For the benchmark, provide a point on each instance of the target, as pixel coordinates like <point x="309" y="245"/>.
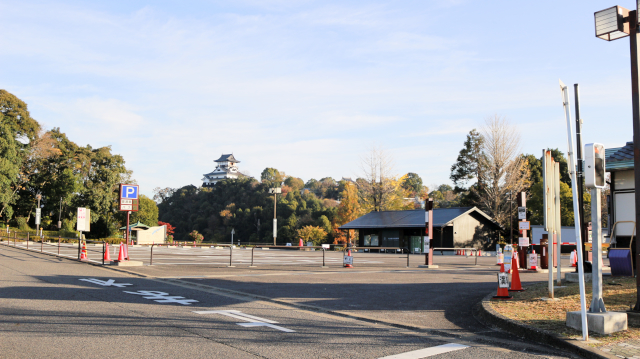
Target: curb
<point x="488" y="315"/>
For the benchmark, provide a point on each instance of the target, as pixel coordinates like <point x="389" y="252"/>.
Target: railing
<point x="458" y="249"/>
<point x="42" y="242"/>
<point x="385" y="248"/>
<point x="290" y="248"/>
<point x="194" y="255"/>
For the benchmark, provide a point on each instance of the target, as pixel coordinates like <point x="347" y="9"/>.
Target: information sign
<point x="347" y="260"/>
<point x="427" y="243"/>
<point x="524" y="225"/>
<point x="503" y="280"/>
<point x="84" y="220"/>
<point x="533" y="260"/>
<point x="522" y="212"/>
<point x="523" y="242"/>
<point x="129" y="200"/>
<point x="275" y="228"/>
<point x="38" y="214"/>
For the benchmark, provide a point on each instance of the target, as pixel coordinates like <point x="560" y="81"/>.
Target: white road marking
<point x="427" y="352"/>
<point x="109" y="283"/>
<point x="254" y="321"/>
<point x="162" y="297"/>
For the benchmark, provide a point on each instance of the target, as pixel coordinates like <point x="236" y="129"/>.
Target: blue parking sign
<point x="129" y="191"/>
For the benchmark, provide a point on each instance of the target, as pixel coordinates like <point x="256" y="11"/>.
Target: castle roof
<point x="227" y="158"/>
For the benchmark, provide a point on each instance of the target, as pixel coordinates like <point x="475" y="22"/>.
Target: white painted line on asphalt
<point x="427" y="352"/>
<point x="254" y="321"/>
<point x="109" y="283"/>
<point x="162" y="297"/>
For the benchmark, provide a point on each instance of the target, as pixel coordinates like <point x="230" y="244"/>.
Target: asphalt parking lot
<point x="300" y="310"/>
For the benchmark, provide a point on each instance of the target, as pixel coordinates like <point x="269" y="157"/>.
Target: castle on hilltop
<point x="226" y="167"/>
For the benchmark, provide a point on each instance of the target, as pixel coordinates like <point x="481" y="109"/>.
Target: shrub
<point x="195" y="236"/>
<point x="22" y="224"/>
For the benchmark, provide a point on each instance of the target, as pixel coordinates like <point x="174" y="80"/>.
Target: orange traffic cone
<point x="83" y="253"/>
<point x="516" y="286"/>
<point x="503" y="292"/>
<point x="121" y="253"/>
<point x="107" y="257"/>
<point x="301" y="244"/>
<point x="194" y="244"/>
<point x="347" y="265"/>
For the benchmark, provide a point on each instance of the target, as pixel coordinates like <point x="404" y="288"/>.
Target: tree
<point x="16" y="116"/>
<point x="147" y="212"/>
<point x="503" y="169"/>
<point x="295" y="183"/>
<point x="9" y="167"/>
<point x="272" y="177"/>
<point x="160" y="194"/>
<point x="466" y="168"/>
<point x="379" y="188"/>
<point x="348" y="210"/>
<point x="314" y="234"/>
<point x="195" y="236"/>
<point x="412" y="183"/>
<point x="444" y="197"/>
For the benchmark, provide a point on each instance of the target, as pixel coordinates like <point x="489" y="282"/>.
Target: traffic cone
<point x="479" y="253"/>
<point x="503" y="293"/>
<point x="574" y="258"/>
<point x="107" y="257"/>
<point x="83" y="253"/>
<point x="516" y="286"/>
<point x="121" y="253"/>
<point x="194" y="244"/>
<point x="348" y="255"/>
<point x="301" y="244"/>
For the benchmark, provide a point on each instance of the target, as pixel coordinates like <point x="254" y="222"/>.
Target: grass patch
<point x="619" y="294"/>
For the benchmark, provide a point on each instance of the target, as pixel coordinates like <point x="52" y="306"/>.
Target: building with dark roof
<point x="622" y="202"/>
<point x="452" y="227"/>
<point x="226" y="168"/>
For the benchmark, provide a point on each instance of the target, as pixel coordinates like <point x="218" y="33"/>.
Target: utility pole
<point x="59" y="215"/>
<point x="275" y="191"/>
<point x="580" y="174"/>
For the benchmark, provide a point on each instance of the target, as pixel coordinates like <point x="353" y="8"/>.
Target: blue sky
<point x="308" y="86"/>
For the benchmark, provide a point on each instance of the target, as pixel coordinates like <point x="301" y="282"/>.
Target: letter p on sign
<point x="129" y="191"/>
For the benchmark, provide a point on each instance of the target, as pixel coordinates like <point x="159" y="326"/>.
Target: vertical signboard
<point x="38" y="214"/>
<point x="129" y="200"/>
<point x="84" y="220"/>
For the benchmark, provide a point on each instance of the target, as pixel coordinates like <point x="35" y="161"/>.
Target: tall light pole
<point x="612" y="24"/>
<point x="275" y="192"/>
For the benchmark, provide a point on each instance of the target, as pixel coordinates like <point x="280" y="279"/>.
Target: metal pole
<point x="597" y="304"/>
<point x="274" y="216"/>
<point x="510" y="219"/>
<point x="37" y="224"/>
<point x="104" y="247"/>
<point x="59" y="245"/>
<point x="323" y="265"/>
<point x="408" y="252"/>
<point x="151" y="259"/>
<point x="252" y="249"/>
<point x="79" y="240"/>
<point x="558" y="223"/>
<point x="576" y="210"/>
<point x="635" y="98"/>
<point x="127" y="229"/>
<point x="580" y="170"/>
<point x="27" y="240"/>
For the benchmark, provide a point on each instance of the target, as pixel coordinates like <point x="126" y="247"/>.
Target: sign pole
<point x="128" y="236"/>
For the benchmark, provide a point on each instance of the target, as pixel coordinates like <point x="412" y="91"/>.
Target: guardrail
<point x="458" y="249"/>
<point x="289" y="248"/>
<point x="58" y="244"/>
<point x="194" y="255"/>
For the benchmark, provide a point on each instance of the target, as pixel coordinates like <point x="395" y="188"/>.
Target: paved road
<point x="54" y="307"/>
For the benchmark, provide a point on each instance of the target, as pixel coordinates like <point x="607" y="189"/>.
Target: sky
<point x="308" y="87"/>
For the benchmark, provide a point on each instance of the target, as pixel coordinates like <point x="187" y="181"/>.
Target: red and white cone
<point x="107" y="257"/>
<point x="574" y="258"/>
<point x="121" y="253"/>
<point x="503" y="291"/>
<point x="534" y="267"/>
<point x="83" y="253"/>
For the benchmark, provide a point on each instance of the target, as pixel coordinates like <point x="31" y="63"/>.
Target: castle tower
<point x="226" y="167"/>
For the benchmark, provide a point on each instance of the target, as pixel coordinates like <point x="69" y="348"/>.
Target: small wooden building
<point x="622" y="201"/>
<point x="453" y="228"/>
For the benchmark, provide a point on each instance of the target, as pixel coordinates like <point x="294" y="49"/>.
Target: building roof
<point x="227" y="158"/>
<point x="619" y="158"/>
<point x="412" y="218"/>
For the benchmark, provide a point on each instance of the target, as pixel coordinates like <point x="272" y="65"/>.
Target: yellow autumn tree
<point x="348" y="210"/>
<point x="314" y="234"/>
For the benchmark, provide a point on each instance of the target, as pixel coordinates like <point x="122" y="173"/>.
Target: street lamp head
<point x="611" y="24"/>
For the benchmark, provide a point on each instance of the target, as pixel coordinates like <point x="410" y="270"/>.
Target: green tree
<point x="466" y="168"/>
<point x="295" y="183"/>
<point x="147" y="213"/>
<point x="9" y="168"/>
<point x="16" y="116"/>
<point x="272" y="177"/>
<point x="412" y="183"/>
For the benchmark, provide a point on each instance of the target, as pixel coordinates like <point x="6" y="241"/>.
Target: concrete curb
<point x="490" y="317"/>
